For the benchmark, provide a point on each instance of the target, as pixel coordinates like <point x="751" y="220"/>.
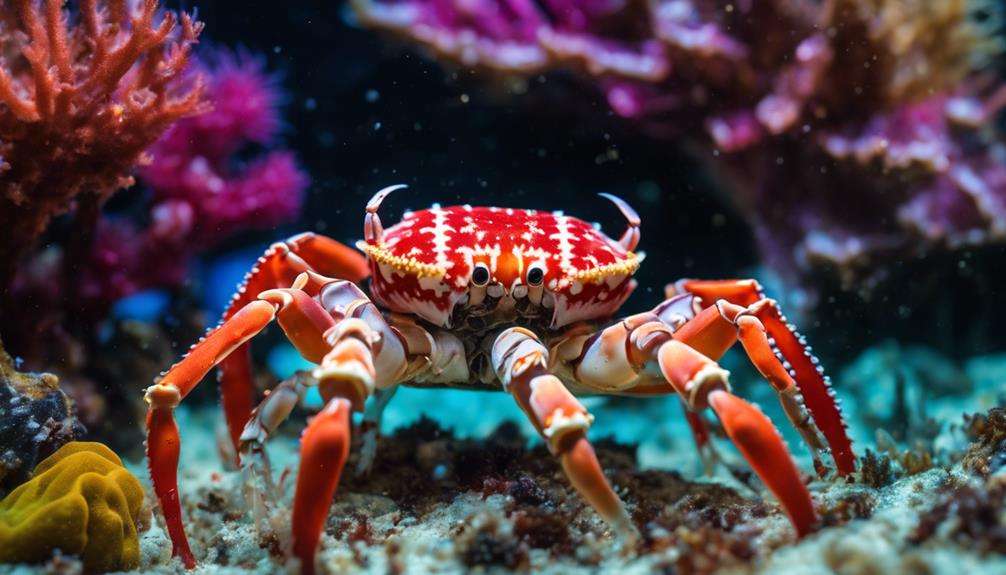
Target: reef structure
<point x="84" y="95"/>
<point x="197" y="134"/>
<point x="36" y="419"/>
<point x="850" y="133"/>
<point x="82" y="501"/>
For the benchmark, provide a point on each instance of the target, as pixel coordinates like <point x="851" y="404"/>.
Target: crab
<point x="491" y="298"/>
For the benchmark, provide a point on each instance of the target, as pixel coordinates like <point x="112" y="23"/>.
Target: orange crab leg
<point x="614" y="360"/>
<point x="702" y="382"/>
<point x="323" y="452"/>
<point x="345" y="379"/>
<point x="278" y="267"/>
<point x="520" y="362"/>
<point x="163" y="448"/>
<point x="779" y="353"/>
<point x="762" y="446"/>
<point x="163" y="442"/>
<point x="303" y="320"/>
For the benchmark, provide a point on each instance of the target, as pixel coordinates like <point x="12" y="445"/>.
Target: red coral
<point x="83" y="96"/>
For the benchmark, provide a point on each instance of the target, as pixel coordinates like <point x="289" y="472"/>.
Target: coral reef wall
<point x="852" y="133"/>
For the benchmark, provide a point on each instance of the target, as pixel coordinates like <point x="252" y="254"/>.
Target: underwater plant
<point x="84" y="93"/>
<point x="481" y="298"/>
<point x="81" y="501"/>
<point x="851" y="133"/>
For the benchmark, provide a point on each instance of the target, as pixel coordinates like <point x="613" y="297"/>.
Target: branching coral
<point x="83" y="96"/>
<point x="852" y="131"/>
<point x="197" y="190"/>
<point x="82" y="501"/>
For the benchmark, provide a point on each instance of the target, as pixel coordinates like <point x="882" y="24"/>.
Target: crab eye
<point x="535" y="275"/>
<point x="480" y="275"/>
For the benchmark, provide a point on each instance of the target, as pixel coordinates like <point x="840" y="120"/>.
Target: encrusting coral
<point x="36" y="418"/>
<point x="82" y="501"/>
<point x="84" y="95"/>
<point x="851" y="132"/>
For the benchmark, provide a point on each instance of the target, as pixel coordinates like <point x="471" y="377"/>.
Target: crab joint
<point x="516" y="351"/>
<point x="348" y="369"/>
<point x="162" y="396"/>
<point x="559" y="426"/>
<point x="693" y="375"/>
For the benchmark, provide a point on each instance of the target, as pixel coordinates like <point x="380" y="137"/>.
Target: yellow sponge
<point x="81" y="501"/>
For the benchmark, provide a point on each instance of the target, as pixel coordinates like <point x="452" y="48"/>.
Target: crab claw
<point x="630" y="238"/>
<point x="373" y="231"/>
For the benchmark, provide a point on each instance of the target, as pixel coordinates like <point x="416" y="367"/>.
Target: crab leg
<point x="302" y="319"/>
<point x="777" y="351"/>
<point x="520" y="360"/>
<point x="268" y="416"/>
<point x="346" y="378"/>
<point x="324" y="447"/>
<point x="277" y="267"/>
<point x="614" y="359"/>
<point x="762" y="446"/>
<point x="370" y="428"/>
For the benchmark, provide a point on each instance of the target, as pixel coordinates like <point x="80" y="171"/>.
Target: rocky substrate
<point x="435" y="503"/>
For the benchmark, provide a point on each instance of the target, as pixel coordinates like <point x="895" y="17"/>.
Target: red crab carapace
<point x="518" y="300"/>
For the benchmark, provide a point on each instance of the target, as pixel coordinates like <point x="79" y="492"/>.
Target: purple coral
<point x="853" y="132"/>
<point x="196" y="181"/>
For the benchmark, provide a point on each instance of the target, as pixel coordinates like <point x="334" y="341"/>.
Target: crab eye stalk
<point x="480" y="275"/>
<point x="535" y="276"/>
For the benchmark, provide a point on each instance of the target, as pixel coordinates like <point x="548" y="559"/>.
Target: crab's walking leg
<point x="324" y="447"/>
<point x="163" y="442"/>
<point x="259" y="489"/>
<point x="777" y="351"/>
<point x="520" y="361"/>
<point x="302" y="319"/>
<point x="370" y="428"/>
<point x="345" y="378"/>
<point x="277" y="268"/>
<point x="614" y="359"/>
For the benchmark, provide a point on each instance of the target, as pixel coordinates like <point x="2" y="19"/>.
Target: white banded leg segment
<point x="692" y="374"/>
<point x="348" y="370"/>
<point x="516" y="351"/>
<point x="520" y="361"/>
<point x="559" y="412"/>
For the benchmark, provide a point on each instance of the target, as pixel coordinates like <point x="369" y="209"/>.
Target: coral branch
<point x="82" y="102"/>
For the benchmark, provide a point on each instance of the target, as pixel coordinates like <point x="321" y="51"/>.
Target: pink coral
<point x="200" y="194"/>
<point x="193" y="173"/>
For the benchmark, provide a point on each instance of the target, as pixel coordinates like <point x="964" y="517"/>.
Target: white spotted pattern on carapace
<point x="424" y="263"/>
